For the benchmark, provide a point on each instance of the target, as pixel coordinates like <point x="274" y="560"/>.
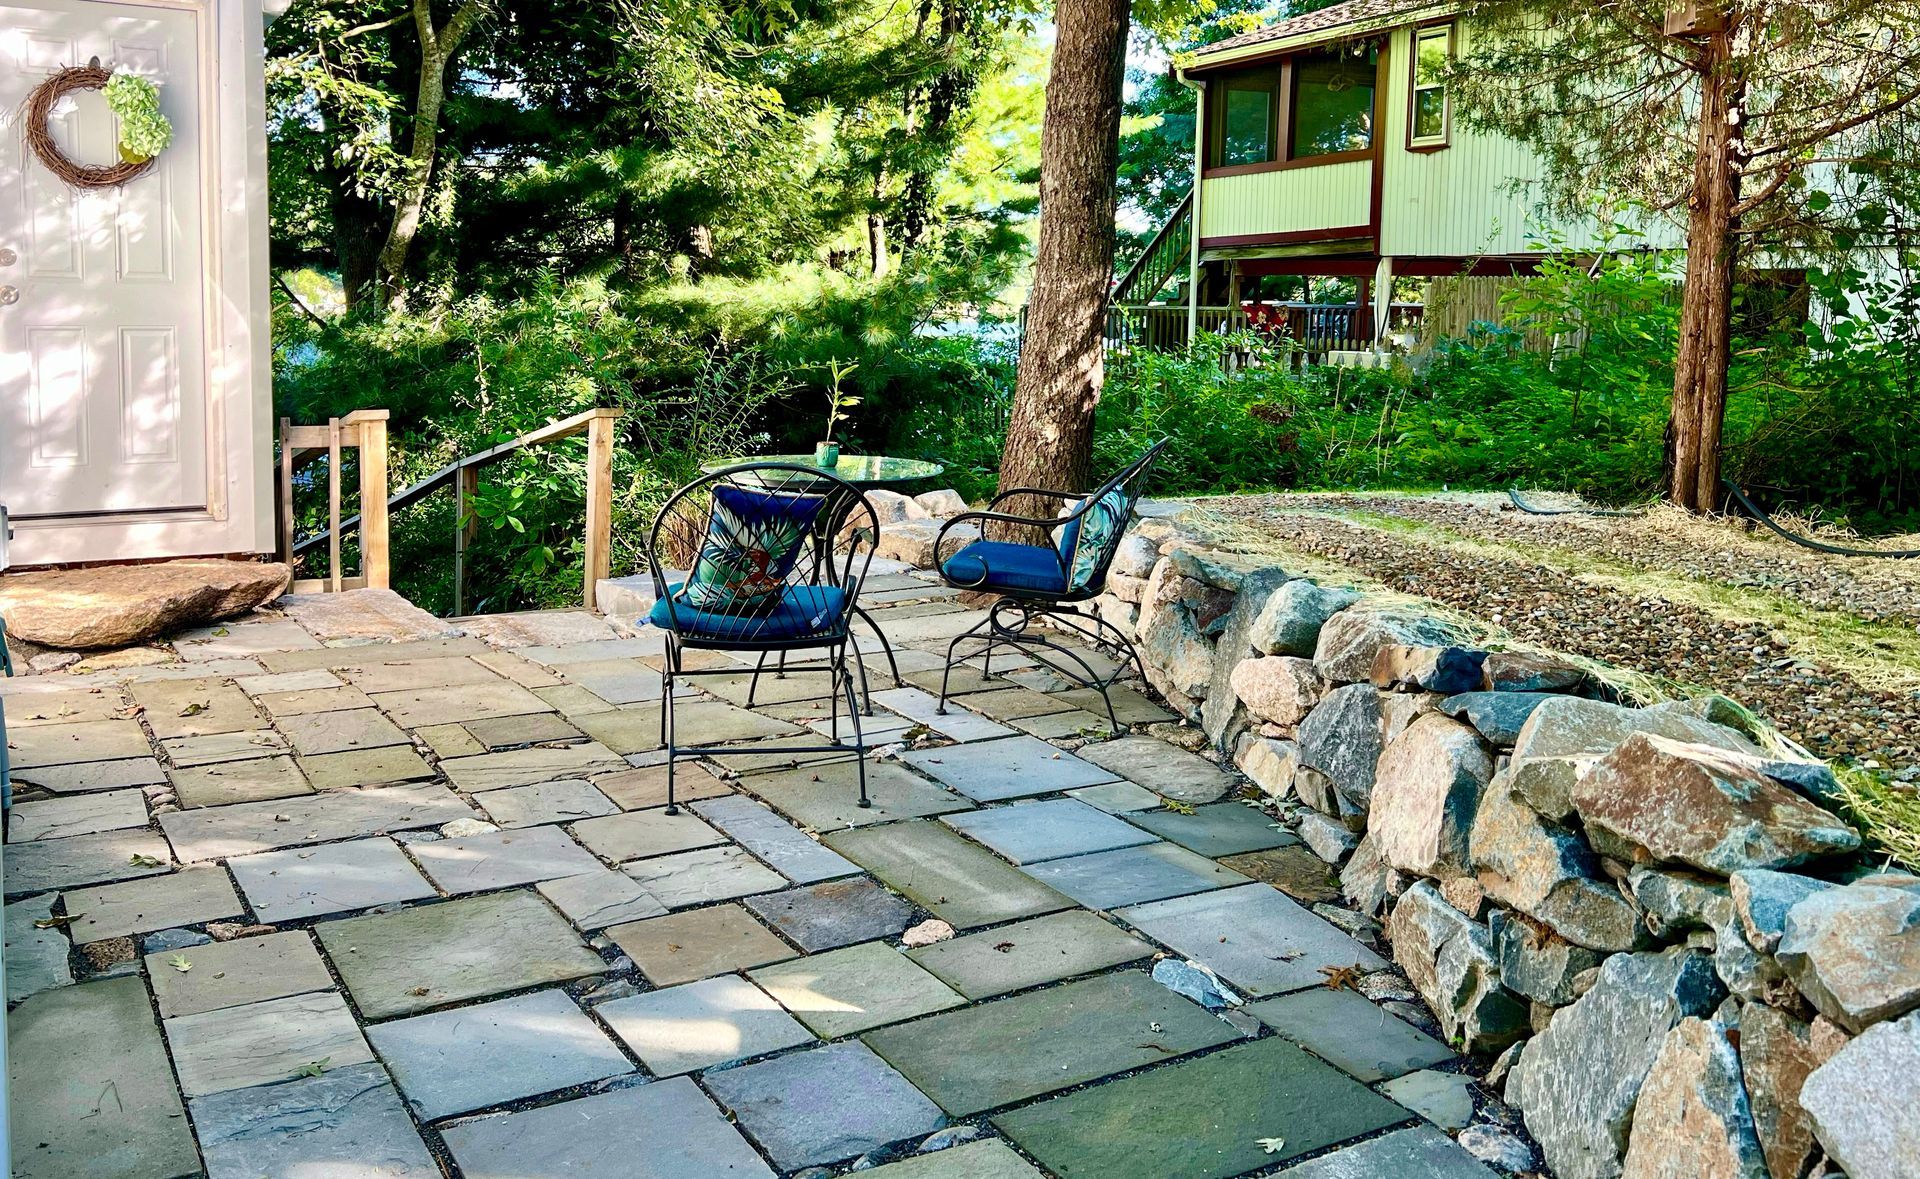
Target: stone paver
<point x="833" y="913"/>
<point x="960" y="882"/>
<point x="846" y="991"/>
<point x="414" y="675"/>
<point x="597" y="899"/>
<point x="682" y="947"/>
<point x="1132" y="707"/>
<point x="958" y="723"/>
<point x="36" y="959"/>
<point x="188" y="897"/>
<point x="338" y="732"/>
<point x="1117" y="798"/>
<point x="438" y="706"/>
<point x="84" y="859"/>
<point x="1065" y="726"/>
<point x="64" y="708"/>
<point x="618" y="681"/>
<point x="194" y="707"/>
<point x="686" y="1137"/>
<point x="564" y="654"/>
<point x="448" y="741"/>
<point x="703" y="876"/>
<point x="346" y="1121"/>
<point x="334" y="878"/>
<point x="646" y="787"/>
<point x="90" y="1087"/>
<point x="1028" y="833"/>
<point x="701" y="1024"/>
<point x="1417" y="1150"/>
<point x="508" y="731"/>
<point x="987" y="1159"/>
<point x="565" y="801"/>
<point x="826" y="797"/>
<point x="239" y="640"/>
<point x="1143" y="1127"/>
<point x="56" y="745"/>
<point x="824" y="1104"/>
<point x="1029" y="953"/>
<point x="1350" y="1033"/>
<point x="530" y="1044"/>
<point x="636" y="835"/>
<point x="1008" y="704"/>
<point x="994" y="1054"/>
<point x="1222" y="829"/>
<point x="773" y="840"/>
<point x="365" y="767"/>
<point x="524" y="767"/>
<point x="417" y="959"/>
<point x="695" y="722"/>
<point x="573" y="701"/>
<point x="1132" y="875"/>
<point x="1445" y="1099"/>
<point x="291" y="681"/>
<point x="1254" y="937"/>
<point x="1014" y="767"/>
<point x="339" y="698"/>
<point x="1292" y="869"/>
<point x="340" y="814"/>
<point x="500" y="859"/>
<point x="236" y="973"/>
<point x="263" y="1043"/>
<point x="245" y="745"/>
<point x="94" y="775"/>
<point x="239" y="781"/>
<point x="1161" y="768"/>
<point x="82" y="814"/>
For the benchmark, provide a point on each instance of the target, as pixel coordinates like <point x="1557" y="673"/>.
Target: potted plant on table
<point x="826" y="453"/>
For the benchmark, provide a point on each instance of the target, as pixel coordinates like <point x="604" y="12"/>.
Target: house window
<point x="1243" y="133"/>
<point x="1333" y="102"/>
<point x="1432" y="53"/>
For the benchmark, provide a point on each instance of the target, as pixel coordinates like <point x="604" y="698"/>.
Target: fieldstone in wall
<point x="1577" y="1082"/>
<point x="1676" y="900"/>
<point x="1535" y="961"/>
<point x="1341" y="739"/>
<point x="1854" y="952"/>
<point x="1135" y="556"/>
<point x="1777" y="1054"/>
<point x="1318" y="791"/>
<point x="1671" y="802"/>
<point x="913" y="541"/>
<point x="1351" y="638"/>
<point x="1222" y="716"/>
<point x="1400" y="709"/>
<point x="1215" y="567"/>
<point x="1762" y="899"/>
<point x="1545" y="871"/>
<point x="1268" y="762"/>
<point x="1693" y="1117"/>
<point x="1327" y="838"/>
<point x="943" y="503"/>
<point x="890" y="507"/>
<point x="1516" y="671"/>
<point x="1748" y="973"/>
<point x="1863" y="1102"/>
<point x="1280" y="689"/>
<point x="1447" y="670"/>
<point x="1365" y="881"/>
<point x="1128" y="589"/>
<point x="1498" y="716"/>
<point x="1290" y="621"/>
<point x="1568" y="734"/>
<point x="1449" y="959"/>
<point x="1428" y="788"/>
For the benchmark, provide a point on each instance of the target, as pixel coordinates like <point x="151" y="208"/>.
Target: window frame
<point x="1217" y="89"/>
<point x="1281" y="73"/>
<point x="1444" y="140"/>
<point x="1293" y="87"/>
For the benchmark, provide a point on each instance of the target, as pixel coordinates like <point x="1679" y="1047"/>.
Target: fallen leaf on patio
<point x="1178" y="807"/>
<point x="56" y="922"/>
<point x="221" y="632"/>
<point x="179" y="962"/>
<point x="416" y="992"/>
<point x="144" y="861"/>
<point x="194" y="709"/>
<point x="1272" y="1145"/>
<point x="1004" y="947"/>
<point x="313" y="1068"/>
<point x="1342" y="977"/>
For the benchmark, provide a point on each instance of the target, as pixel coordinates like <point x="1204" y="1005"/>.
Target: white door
<point x="103" y="383"/>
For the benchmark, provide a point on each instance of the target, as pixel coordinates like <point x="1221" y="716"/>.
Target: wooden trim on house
<point x="1338" y="157"/>
<point x="1376" y="197"/>
<point x="1440" y="267"/>
<point x="1287" y="238"/>
<point x="1311" y="267"/>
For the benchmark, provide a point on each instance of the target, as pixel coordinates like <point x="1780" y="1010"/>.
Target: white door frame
<point x="238" y="515"/>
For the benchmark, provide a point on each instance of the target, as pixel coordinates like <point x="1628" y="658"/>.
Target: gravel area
<point x="1820" y="707"/>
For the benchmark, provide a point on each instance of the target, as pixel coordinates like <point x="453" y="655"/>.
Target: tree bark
<point x="438" y="47"/>
<point x="1050" y="436"/>
<point x="1706" y="303"/>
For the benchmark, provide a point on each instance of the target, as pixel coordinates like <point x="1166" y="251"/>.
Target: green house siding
<point x="1294" y="200"/>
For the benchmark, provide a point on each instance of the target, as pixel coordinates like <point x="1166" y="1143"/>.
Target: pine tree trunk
<point x="1050" y="436"/>
<point x="1706" y="304"/>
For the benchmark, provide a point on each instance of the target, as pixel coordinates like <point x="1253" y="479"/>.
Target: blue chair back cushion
<point x="753" y="540"/>
<point x="996" y="564"/>
<point x="794" y="612"/>
<point x="1084" y="540"/>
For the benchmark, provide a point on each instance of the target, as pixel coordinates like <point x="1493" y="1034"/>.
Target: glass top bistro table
<point x="863" y="471"/>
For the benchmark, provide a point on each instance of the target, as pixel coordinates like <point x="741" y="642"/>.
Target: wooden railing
<point x="1315" y="328"/>
<point x="1166" y="255"/>
<point x="463" y="475"/>
<point x="364" y="430"/>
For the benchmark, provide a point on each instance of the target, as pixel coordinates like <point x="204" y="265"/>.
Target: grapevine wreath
<point x="135" y="101"/>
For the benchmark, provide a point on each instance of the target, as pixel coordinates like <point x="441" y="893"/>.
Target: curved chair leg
<point x="666" y="723"/>
<point x="947" y="672"/>
<point x="859" y="738"/>
<point x="886" y="647"/>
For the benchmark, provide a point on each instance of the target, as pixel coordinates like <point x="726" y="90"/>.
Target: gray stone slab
<point x="1117" y="798"/>
<point x="290" y="681"/>
<point x="645" y="787"/>
<point x="1222" y="829"/>
<point x="846" y="991"/>
<point x="956" y="722"/>
<point x="188" y="897"/>
<point x="573" y="701"/>
<point x="636" y="835"/>
<point x="449" y="741"/>
<point x="702" y="1024"/>
<point x="1445" y="1099"/>
<point x="90" y="1089"/>
<point x="262" y="1043"/>
<point x="703" y="876"/>
<point x="508" y="731"/>
<point x="695" y="722"/>
<point x="339" y="698"/>
<point x="526" y="1045"/>
<point x="426" y="957"/>
<point x="1027" y="833"/>
<point x="1266" y="1102"/>
<point x="346" y="1121"/>
<point x="565" y="654"/>
<point x="338" y="732"/>
<point x="360" y="655"/>
<point x="63" y="707"/>
<point x="1015" y="767"/>
<point x="826" y="798"/>
<point x="226" y="783"/>
<point x="1008" y="704"/>
<point x="81" y="814"/>
<point x="338" y="814"/>
<point x="501" y="859"/>
<point x="778" y="843"/>
<point x="191" y="707"/>
<point x="417" y="675"/>
<point x="48" y="864"/>
<point x="93" y="775"/>
<point x="834" y="913"/>
<point x="824" y="1104"/>
<point x="595" y="900"/>
<point x="82" y="741"/>
<point x="1253" y="936"/>
<point x="335" y="878"/>
<point x="214" y="748"/>
<point x="521" y="671"/>
<point x="994" y="1054"/>
<point x="686" y="1137"/>
<point x="235" y="640"/>
<point x="1416" y="1150"/>
<point x="1133" y="707"/>
<point x="618" y="681"/>
<point x="986" y="1159"/>
<point x="565" y="801"/>
<point x="1132" y="875"/>
<point x="365" y="767"/>
<point x="1349" y="1032"/>
<point x="440" y="706"/>
<point x="1030" y="953"/>
<point x="1162" y="768"/>
<point x="960" y="882"/>
<point x="682" y="947"/>
<point x="236" y="973"/>
<point x="523" y="767"/>
<point x="36" y="959"/>
<point x="1064" y="726"/>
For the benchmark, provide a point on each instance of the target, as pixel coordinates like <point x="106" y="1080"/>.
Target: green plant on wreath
<point x="135" y="102"/>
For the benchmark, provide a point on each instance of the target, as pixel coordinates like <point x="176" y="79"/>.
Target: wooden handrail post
<point x="466" y="484"/>
<point x="599" y="541"/>
<point x="374" y="553"/>
<point x="333" y="504"/>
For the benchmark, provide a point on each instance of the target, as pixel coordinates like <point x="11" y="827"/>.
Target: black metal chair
<point x="1048" y="582"/>
<point x="764" y="574"/>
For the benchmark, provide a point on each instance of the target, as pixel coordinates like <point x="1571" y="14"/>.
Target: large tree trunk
<point x="1706" y="305"/>
<point x="1050" y="436"/>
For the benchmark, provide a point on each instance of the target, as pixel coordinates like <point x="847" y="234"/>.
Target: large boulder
<point x="1425" y="795"/>
<point x="1449" y="958"/>
<point x="1290" y="621"/>
<point x="1222" y="716"/>
<point x="1498" y="715"/>
<point x="1577" y="1082"/>
<point x="1225" y="571"/>
<point x="1447" y="670"/>
<point x="1777" y="1054"/>
<point x="1568" y="734"/>
<point x="1535" y="961"/>
<point x="1278" y="689"/>
<point x="1341" y="738"/>
<point x="1517" y="671"/>
<point x="1854" y="952"/>
<point x="1863" y="1102"/>
<point x="1659" y="800"/>
<point x="1351" y="638"/>
<point x="890" y="507"/>
<point x="1762" y="898"/>
<point x="1543" y="870"/>
<point x="121" y="605"/>
<point x="943" y="503"/>
<point x="1693" y="1117"/>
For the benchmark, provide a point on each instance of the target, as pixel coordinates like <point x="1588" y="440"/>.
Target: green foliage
<point x="135" y="103"/>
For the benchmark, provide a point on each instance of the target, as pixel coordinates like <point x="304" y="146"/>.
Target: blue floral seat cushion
<point x="995" y="564"/>
<point x="753" y="540"/>
<point x="795" y="612"/>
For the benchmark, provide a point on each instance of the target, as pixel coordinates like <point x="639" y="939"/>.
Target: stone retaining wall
<point x="1677" y="950"/>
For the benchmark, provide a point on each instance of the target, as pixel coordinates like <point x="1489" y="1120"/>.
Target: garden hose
<point x="1753" y="510"/>
<point x="1530" y="510"/>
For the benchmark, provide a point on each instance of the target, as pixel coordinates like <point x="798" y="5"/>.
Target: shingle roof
<point x="1326" y="19"/>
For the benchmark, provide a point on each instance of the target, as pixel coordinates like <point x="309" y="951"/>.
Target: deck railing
<point x="1314" y="328"/>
